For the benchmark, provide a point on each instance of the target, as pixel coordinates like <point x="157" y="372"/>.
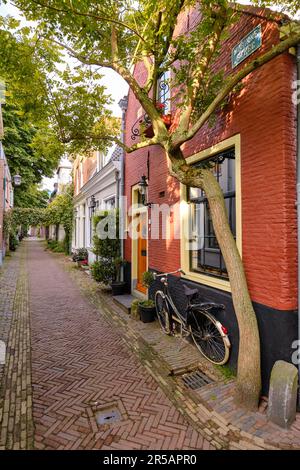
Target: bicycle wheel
<point x="162" y="311"/>
<point x="210" y="338"/>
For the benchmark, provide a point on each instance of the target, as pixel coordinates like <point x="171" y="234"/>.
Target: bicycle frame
<point x="167" y="296"/>
<point x="211" y="338"/>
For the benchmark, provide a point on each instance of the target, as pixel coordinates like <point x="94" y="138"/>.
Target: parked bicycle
<point x="197" y="320"/>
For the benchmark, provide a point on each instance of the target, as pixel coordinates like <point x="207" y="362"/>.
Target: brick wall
<point x="1" y="206"/>
<point x="266" y="119"/>
<point x="83" y="169"/>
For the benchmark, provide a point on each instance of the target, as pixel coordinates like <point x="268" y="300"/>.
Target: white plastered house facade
<point x="103" y="187"/>
<point x="64" y="178"/>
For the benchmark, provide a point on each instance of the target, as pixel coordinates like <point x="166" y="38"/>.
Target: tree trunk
<point x="248" y="385"/>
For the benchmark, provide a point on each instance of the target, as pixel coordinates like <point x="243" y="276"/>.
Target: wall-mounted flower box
<point x="167" y="118"/>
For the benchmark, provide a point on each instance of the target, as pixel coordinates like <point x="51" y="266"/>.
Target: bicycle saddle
<point x="190" y="293"/>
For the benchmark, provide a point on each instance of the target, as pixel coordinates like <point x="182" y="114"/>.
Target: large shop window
<point x="205" y="255"/>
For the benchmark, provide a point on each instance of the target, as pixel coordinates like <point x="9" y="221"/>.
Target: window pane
<point x="205" y="255"/>
<point x="164" y="92"/>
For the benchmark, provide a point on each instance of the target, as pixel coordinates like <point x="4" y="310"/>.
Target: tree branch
<point x="202" y="61"/>
<point x="179" y="138"/>
<point x="90" y="15"/>
<point x="84" y="59"/>
<point x="116" y="140"/>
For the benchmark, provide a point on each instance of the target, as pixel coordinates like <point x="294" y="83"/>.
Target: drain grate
<point x="196" y="379"/>
<point x="111" y="415"/>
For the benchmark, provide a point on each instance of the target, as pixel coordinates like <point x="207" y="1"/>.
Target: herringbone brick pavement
<point x="16" y="426"/>
<point x="80" y="364"/>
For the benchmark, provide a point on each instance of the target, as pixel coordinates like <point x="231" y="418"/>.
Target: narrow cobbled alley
<point x="65" y="359"/>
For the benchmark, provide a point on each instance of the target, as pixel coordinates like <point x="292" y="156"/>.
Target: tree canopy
<point x="118" y="34"/>
<point x="49" y="107"/>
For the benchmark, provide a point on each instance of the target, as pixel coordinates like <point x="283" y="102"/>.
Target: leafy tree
<point x="45" y="104"/>
<point x="119" y="34"/>
<point x="31" y="197"/>
<point x="21" y="218"/>
<point x="60" y="212"/>
<point x="31" y="152"/>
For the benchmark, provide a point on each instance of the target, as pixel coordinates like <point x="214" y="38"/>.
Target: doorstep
<point x="124" y="302"/>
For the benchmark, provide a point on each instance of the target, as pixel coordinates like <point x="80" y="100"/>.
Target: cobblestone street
<point x="80" y="373"/>
<point x="80" y="367"/>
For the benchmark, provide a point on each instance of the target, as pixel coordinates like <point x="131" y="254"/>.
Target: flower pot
<point x="147" y="314"/>
<point x="118" y="288"/>
<point x="167" y="118"/>
<point x="82" y="262"/>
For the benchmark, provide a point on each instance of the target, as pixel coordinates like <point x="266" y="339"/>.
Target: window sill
<point x="210" y="281"/>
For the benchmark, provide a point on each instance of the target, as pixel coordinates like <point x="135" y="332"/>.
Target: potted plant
<point x="107" y="268"/>
<point x="147" y="307"/>
<point x="118" y="287"/>
<point x="81" y="257"/>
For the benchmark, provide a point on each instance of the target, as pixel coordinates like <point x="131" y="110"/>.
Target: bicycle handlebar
<point x="166" y="274"/>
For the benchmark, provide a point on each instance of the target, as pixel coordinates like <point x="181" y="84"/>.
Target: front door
<point x="142" y="252"/>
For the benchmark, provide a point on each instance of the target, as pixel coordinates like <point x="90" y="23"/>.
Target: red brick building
<point x="256" y="138"/>
<point x="6" y="191"/>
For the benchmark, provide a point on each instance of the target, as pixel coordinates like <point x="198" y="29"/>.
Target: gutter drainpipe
<point x="298" y="205"/>
<point x="123" y="103"/>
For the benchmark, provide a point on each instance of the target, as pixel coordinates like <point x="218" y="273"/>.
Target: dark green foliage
<point x="107" y="247"/>
<point x="56" y="247"/>
<point x="147" y="303"/>
<point x="60" y="212"/>
<point x="19" y="146"/>
<point x="103" y="271"/>
<point x="13" y="242"/>
<point x="147" y="278"/>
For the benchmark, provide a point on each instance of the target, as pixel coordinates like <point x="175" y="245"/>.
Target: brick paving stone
<point x="216" y="397"/>
<point x="8" y="281"/>
<point x="16" y="422"/>
<point x="87" y="353"/>
<point x="77" y="359"/>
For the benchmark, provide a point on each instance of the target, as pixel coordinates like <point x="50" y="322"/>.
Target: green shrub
<point x="147" y="279"/>
<point x="51" y="243"/>
<point x="59" y="248"/>
<point x="107" y="246"/>
<point x="103" y="271"/>
<point x="56" y="247"/>
<point x="13" y="242"/>
<point x="147" y="303"/>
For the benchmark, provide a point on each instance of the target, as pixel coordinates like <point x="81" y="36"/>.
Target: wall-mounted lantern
<point x="143" y="185"/>
<point x="92" y="206"/>
<point x="17" y="179"/>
